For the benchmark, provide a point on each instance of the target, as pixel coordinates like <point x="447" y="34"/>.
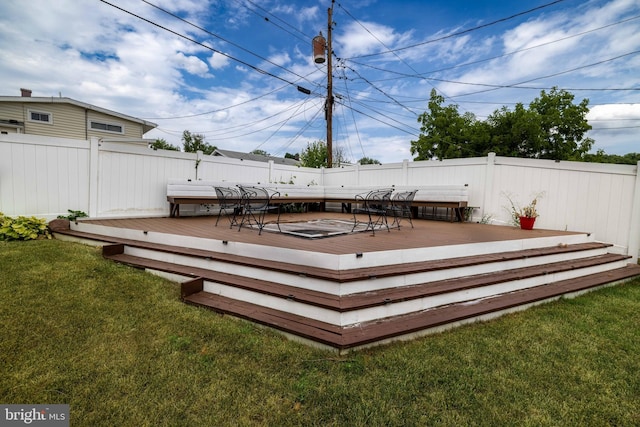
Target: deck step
<point x="349" y="317"/>
<point x="344" y="338"/>
<point x="345" y="276"/>
<point x="358" y="301"/>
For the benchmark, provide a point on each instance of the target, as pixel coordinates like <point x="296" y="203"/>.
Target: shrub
<point x="23" y="228"/>
<point x="73" y="215"/>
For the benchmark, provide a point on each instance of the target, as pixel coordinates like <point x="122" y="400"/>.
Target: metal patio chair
<point x="229" y="201"/>
<point x="401" y="207"/>
<point x="375" y="205"/>
<point x="256" y="203"/>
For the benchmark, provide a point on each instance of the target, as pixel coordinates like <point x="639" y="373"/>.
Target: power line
<point x="221" y="38"/>
<point x="385" y="46"/>
<point x="228" y="107"/>
<point x="224" y="131"/>
<point x="253" y="67"/>
<point x="616" y="128"/>
<point x="460" y="32"/>
<point x="383" y="92"/>
<point x="307" y="37"/>
<point x="421" y="75"/>
<point x="353" y="117"/>
<point x="519" y="84"/>
<point x="377" y="119"/>
<point x="280" y="127"/>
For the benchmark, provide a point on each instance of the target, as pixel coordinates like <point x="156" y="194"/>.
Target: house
<point x="255" y="157"/>
<point x="67" y="118"/>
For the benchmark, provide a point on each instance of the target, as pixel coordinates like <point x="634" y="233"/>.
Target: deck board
<point x="426" y="233"/>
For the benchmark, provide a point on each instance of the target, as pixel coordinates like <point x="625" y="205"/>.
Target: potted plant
<point x="526" y="216"/>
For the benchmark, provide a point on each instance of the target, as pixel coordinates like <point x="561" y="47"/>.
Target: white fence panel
<point x="295" y="175"/>
<point x="576" y="196"/>
<point x="43" y="176"/>
<point x="215" y="168"/>
<point x="470" y="172"/>
<point x="133" y="180"/>
<point x="346" y="176"/>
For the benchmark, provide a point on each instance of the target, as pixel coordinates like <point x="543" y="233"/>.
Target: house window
<point x="107" y="127"/>
<point x="40" y="116"/>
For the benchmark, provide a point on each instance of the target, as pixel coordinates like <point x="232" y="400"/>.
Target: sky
<point x="241" y="72"/>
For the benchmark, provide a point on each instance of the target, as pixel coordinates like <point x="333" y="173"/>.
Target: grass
<point x="119" y="347"/>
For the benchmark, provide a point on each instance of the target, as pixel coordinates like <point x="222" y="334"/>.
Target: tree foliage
<point x="601" y="157"/>
<point x="553" y="127"/>
<point x="368" y="161"/>
<point x="162" y="144"/>
<point x="195" y="142"/>
<point x="315" y="155"/>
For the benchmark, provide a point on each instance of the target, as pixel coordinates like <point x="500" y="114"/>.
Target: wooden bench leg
<point x="174" y="210"/>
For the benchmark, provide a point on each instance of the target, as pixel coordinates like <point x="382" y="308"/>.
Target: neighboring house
<point x="67" y="118"/>
<point x="255" y="157"/>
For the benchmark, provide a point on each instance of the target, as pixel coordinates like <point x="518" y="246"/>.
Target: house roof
<point x="255" y="157"/>
<point x="146" y="125"/>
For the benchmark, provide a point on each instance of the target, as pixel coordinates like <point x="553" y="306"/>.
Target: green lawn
<point x="120" y="348"/>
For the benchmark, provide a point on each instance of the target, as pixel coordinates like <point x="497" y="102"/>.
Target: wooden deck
<point x="426" y="233"/>
<point x="350" y="291"/>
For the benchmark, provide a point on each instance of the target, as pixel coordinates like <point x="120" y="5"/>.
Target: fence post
<point x="271" y="172"/>
<point x="94" y="175"/>
<point x="634" y="227"/>
<point x="487" y="197"/>
<point x="199" y="155"/>
<point x="405" y="172"/>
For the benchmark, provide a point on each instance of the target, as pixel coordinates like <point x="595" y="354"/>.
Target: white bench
<point x="454" y="197"/>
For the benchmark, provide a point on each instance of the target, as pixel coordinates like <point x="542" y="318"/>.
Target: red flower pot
<point x="526" y="223"/>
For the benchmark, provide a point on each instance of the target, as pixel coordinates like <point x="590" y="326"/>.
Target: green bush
<point x="23" y="228"/>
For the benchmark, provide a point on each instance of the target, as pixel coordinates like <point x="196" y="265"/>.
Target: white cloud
<point x="281" y="59"/>
<point x="192" y="64"/>
<point x="218" y="61"/>
<point x="367" y="38"/>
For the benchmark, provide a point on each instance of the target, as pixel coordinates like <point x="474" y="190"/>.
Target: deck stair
<point x="350" y="308"/>
<point x="344" y="320"/>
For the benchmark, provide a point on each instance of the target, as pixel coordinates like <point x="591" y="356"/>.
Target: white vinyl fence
<point x="47" y="176"/>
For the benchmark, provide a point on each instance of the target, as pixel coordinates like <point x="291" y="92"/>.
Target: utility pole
<point x="322" y="47"/>
<point x="329" y="101"/>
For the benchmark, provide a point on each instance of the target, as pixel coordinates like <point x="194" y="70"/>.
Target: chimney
<point x="25" y="92"/>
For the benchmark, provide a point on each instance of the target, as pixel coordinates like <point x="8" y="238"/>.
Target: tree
<point x="195" y="142"/>
<point x="369" y="161"/>
<point x="441" y="132"/>
<point x="315" y="155"/>
<point x="602" y="157"/>
<point x="513" y="133"/>
<point x="162" y="144"/>
<point x="339" y="156"/>
<point x="563" y="125"/>
<point x="553" y="127"/>
<point x="292" y="156"/>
